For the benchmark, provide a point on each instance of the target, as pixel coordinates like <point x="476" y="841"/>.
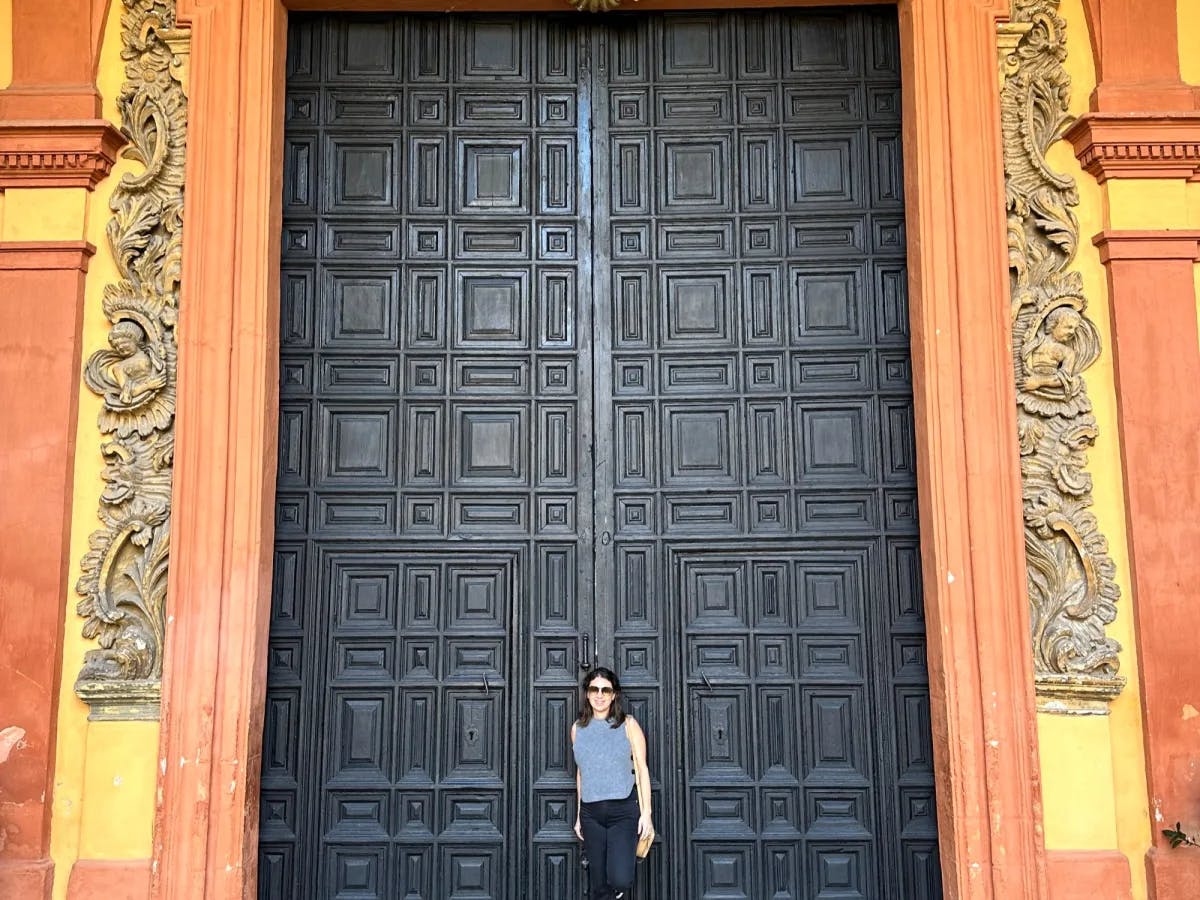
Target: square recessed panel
<point x="478" y="597"/>
<point x="358" y="443"/>
<point x="693" y="175"/>
<point x="693" y="45"/>
<point x="824" y="170"/>
<point x="365" y="595"/>
<point x="700" y="445"/>
<point x="832" y="443"/>
<point x="715" y="594"/>
<point x="492" y="445"/>
<point x="827" y="305"/>
<point x="359" y="309"/>
<point x="629" y="107"/>
<point x="492" y="309"/>
<point x="827" y="45"/>
<point x="366" y="49"/>
<point x="696" y="307"/>
<point x="362" y="175"/>
<point x="831" y="588"/>
<point x="494" y="49"/>
<point x="356" y="871"/>
<point x="492" y="175"/>
<point x="556" y="110"/>
<point x="428" y="108"/>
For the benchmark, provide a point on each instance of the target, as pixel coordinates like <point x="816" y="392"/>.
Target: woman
<point x="612" y="784"/>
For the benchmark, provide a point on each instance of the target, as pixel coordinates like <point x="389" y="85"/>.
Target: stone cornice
<point x="1138" y="146"/>
<point x="1180" y="244"/>
<point x="45" y="255"/>
<point x="57" y="153"/>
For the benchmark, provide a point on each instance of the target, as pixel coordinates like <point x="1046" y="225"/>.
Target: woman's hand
<point x="645" y="825"/>
<point x="578" y="828"/>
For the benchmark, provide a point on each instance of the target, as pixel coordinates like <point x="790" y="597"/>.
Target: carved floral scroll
<point x="124" y="577"/>
<point x="1072" y="587"/>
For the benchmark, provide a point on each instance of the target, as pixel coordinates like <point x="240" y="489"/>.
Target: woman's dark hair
<point x="616" y="712"/>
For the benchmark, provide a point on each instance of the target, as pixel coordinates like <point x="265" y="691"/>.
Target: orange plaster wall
<point x="37" y="380"/>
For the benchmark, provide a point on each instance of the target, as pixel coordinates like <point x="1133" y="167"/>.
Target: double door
<point x="594" y="350"/>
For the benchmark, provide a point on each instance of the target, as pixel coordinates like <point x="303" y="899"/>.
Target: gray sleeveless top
<point x="605" y="761"/>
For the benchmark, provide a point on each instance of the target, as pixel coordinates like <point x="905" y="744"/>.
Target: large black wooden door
<point x="594" y="348"/>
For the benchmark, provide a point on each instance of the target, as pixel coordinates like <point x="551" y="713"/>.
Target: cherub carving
<point x="130" y="373"/>
<point x="1050" y="363"/>
<point x="133" y="379"/>
<point x="1053" y="354"/>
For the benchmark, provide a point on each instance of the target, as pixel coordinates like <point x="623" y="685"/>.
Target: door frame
<point x="973" y="566"/>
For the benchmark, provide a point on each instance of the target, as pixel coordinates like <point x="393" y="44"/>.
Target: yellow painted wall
<point x="104" y="780"/>
<point x="1189" y="41"/>
<point x="1093" y="767"/>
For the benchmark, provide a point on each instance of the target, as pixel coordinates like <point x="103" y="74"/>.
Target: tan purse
<point x="644" y="842"/>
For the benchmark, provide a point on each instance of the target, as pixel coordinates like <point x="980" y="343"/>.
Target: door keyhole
<point x="471" y="733"/>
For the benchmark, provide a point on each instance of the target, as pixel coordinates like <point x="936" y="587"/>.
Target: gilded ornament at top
<point x="595" y="6"/>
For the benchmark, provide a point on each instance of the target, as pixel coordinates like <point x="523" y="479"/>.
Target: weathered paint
<point x="85" y="749"/>
<point x="1189" y="41"/>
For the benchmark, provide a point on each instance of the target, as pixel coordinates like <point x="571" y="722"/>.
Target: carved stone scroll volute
<point x="1072" y="587"/>
<point x="124" y="574"/>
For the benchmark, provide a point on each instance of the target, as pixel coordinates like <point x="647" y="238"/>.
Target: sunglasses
<point x="604" y="691"/>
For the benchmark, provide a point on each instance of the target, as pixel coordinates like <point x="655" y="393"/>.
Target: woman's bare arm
<point x="641" y="772"/>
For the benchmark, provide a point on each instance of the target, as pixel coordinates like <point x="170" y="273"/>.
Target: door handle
<point x="585" y="657"/>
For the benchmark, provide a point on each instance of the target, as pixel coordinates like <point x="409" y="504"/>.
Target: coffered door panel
<point x="434" y="553"/>
<point x="760" y="591"/>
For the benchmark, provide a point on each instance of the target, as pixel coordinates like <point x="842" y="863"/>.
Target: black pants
<point x="610" y="839"/>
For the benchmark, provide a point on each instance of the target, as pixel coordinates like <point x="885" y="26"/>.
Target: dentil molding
<point x="57" y="153"/>
<point x="1134" y="145"/>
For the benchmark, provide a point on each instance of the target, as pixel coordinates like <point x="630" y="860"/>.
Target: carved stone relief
<point x="124" y="578"/>
<point x="1072" y="590"/>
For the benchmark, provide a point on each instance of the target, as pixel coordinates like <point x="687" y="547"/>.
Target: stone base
<point x="121" y="701"/>
<point x="1077" y="695"/>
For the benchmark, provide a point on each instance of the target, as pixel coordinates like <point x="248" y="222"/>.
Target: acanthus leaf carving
<point x="124" y="574"/>
<point x="1072" y="580"/>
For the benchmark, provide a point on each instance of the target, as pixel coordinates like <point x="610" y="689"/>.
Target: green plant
<point x="1178" y="837"/>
